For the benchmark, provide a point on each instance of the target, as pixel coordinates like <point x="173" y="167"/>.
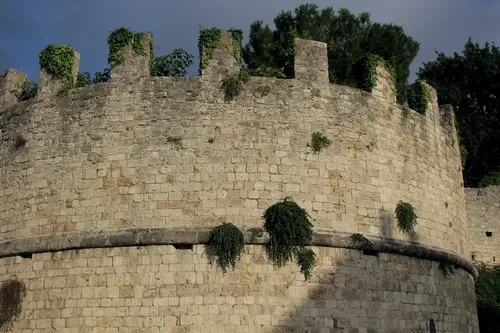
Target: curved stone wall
<point x="167" y="152"/>
<point x="161" y="289"/>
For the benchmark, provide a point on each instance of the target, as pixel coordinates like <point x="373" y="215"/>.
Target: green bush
<point x="232" y="85"/>
<point x="418" y="97"/>
<point x="289" y="231"/>
<point x="405" y="214"/>
<point x="58" y="61"/>
<point x="319" y="142"/>
<point x="488" y="298"/>
<point x="226" y="242"/>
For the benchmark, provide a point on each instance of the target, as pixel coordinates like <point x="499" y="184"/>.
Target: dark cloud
<point x="26" y="27"/>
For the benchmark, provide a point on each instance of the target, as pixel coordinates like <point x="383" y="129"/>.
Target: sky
<point x="27" y="26"/>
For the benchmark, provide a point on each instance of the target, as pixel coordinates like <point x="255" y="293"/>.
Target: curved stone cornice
<point x="193" y="236"/>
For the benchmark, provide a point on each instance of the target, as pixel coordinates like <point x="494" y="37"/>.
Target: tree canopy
<point x="470" y="82"/>
<point x="270" y="52"/>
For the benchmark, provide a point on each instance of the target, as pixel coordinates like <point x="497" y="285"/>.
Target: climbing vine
<point x="121" y="37"/>
<point x="237" y="36"/>
<point x="290" y="231"/>
<point x="365" y="72"/>
<point x="12" y="293"/>
<point x="405" y="214"/>
<point x="418" y="96"/>
<point x="207" y="42"/>
<point x="226" y="242"/>
<point x="58" y="61"/>
<point x="232" y="85"/>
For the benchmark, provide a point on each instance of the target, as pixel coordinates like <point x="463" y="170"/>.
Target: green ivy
<point x="30" y="89"/>
<point x="405" y="214"/>
<point x="207" y="42"/>
<point x="121" y="37"/>
<point x="58" y="61"/>
<point x="488" y="298"/>
<point x="226" y="243"/>
<point x="237" y="36"/>
<point x="418" y="96"/>
<point x="365" y="72"/>
<point x="232" y="85"/>
<point x="289" y="231"/>
<point x="319" y="142"/>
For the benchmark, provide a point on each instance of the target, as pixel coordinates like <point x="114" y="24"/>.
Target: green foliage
<point x="364" y="72"/>
<point x="360" y="240"/>
<point x="469" y="82"/>
<point x="237" y="36"/>
<point x="406" y="112"/>
<point x="118" y="39"/>
<point x="488" y="298"/>
<point x="58" y="61"/>
<point x="226" y="242"/>
<point x="84" y="79"/>
<point x="290" y="231"/>
<point x="175" y="63"/>
<point x="12" y="293"/>
<point x="264" y="90"/>
<point x="29" y="91"/>
<point x="491" y="179"/>
<point x="405" y="214"/>
<point x="269" y="72"/>
<point x="306" y="259"/>
<point x="207" y="41"/>
<point x="418" y="97"/>
<point x="319" y="142"/>
<point x="348" y="36"/>
<point x="232" y="85"/>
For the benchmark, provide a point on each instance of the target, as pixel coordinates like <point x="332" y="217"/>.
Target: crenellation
<point x="11" y="85"/>
<point x="311" y="61"/>
<point x="135" y="64"/>
<point x="222" y="61"/>
<point x="115" y="176"/>
<point x="50" y="86"/>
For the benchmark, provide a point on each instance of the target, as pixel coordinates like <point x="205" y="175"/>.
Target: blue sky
<point x="27" y="26"/>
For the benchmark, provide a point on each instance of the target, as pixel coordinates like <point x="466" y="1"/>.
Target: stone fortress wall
<point x="483" y="215"/>
<point x="157" y="161"/>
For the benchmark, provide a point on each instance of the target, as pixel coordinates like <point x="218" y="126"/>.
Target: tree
<point x="471" y="84"/>
<point x="175" y="63"/>
<point x="83" y="79"/>
<point x="349" y="37"/>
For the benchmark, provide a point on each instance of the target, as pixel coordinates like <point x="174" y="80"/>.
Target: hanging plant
<point x="405" y="214"/>
<point x="12" y="293"/>
<point x="290" y="231"/>
<point x="226" y="243"/>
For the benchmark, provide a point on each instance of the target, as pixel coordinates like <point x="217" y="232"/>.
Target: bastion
<point x="108" y="194"/>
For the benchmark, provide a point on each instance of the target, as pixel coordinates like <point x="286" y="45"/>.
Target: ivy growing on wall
<point x="58" y="61"/>
<point x="488" y="298"/>
<point x="405" y="214"/>
<point x="12" y="293"/>
<point x="418" y="96"/>
<point x="290" y="231"/>
<point x="207" y="42"/>
<point x="121" y="37"/>
<point x="232" y="85"/>
<point x="226" y="243"/>
<point x="365" y="72"/>
<point x="237" y="36"/>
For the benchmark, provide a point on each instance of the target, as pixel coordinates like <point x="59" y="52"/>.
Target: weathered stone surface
<point x="11" y="85"/>
<point x="108" y="161"/>
<point x="483" y="211"/>
<point x="161" y="289"/>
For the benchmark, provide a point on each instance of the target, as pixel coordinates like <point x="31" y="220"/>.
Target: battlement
<point x="108" y="191"/>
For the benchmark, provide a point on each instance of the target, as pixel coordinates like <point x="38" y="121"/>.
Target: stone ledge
<point x="177" y="236"/>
